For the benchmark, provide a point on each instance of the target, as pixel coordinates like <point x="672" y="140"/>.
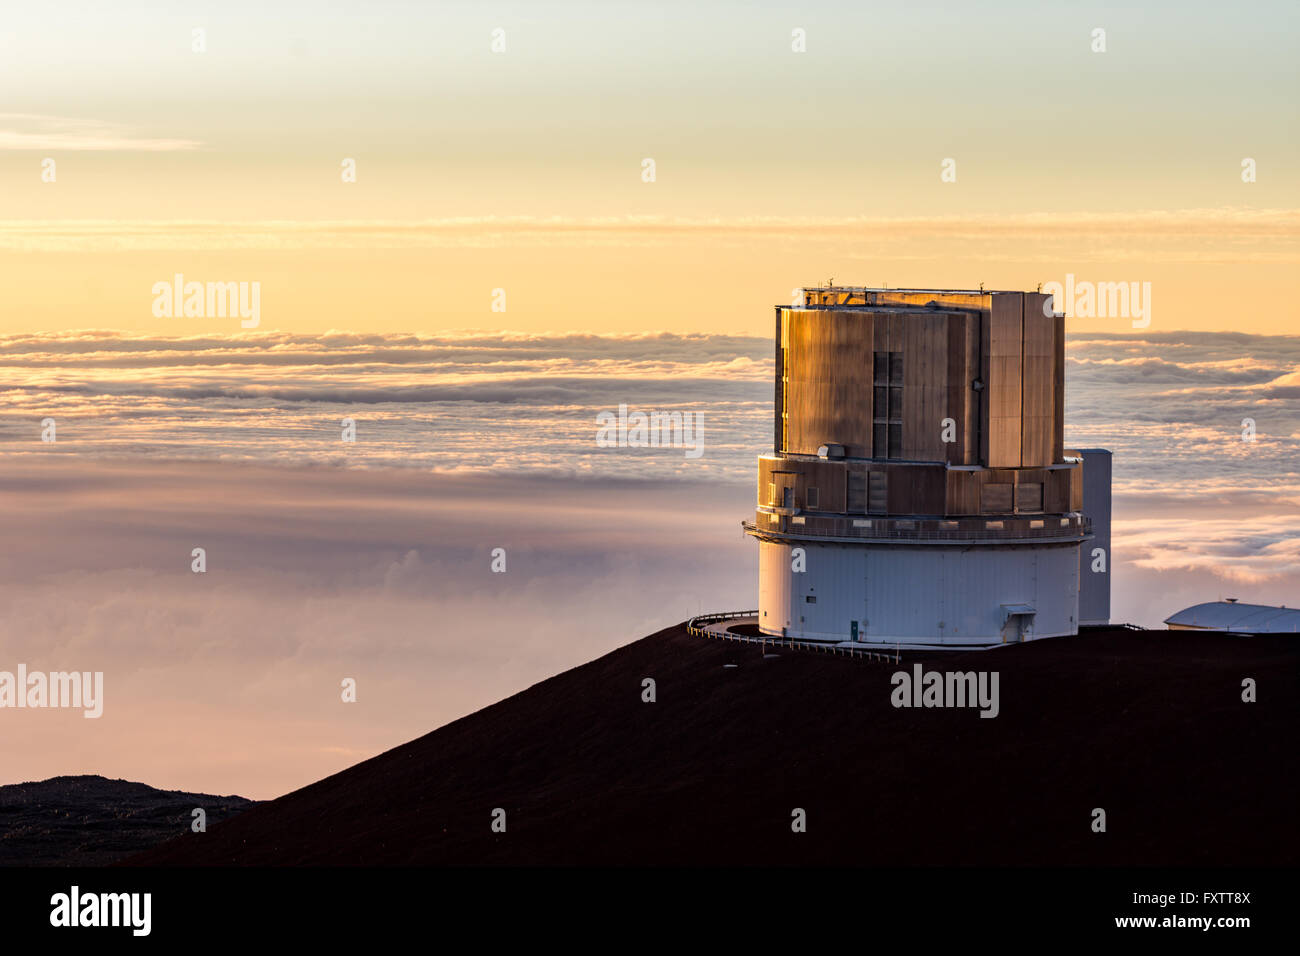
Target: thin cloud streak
<point x="54" y="134"/>
<point x="1269" y="229"/>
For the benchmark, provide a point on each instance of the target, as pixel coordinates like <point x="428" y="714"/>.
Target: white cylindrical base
<point x="931" y="594"/>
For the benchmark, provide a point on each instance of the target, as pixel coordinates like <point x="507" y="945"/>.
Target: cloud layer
<point x="372" y="560"/>
<point x="230" y="679"/>
<point x="449" y="402"/>
<point x="1170" y="404"/>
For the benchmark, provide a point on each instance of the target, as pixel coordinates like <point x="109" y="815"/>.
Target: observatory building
<point x="918" y="490"/>
<point x="1235" y="618"/>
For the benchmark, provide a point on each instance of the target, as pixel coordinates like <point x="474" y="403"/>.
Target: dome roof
<point x="1243" y="618"/>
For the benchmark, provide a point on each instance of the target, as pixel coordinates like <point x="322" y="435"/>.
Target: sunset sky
<point x="522" y="171"/>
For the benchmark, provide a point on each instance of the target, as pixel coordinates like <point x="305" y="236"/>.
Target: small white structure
<point x="1095" y="560"/>
<point x="1236" y="618"/>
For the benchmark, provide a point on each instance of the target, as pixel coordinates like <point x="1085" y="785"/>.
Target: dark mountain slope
<point x="1149" y="726"/>
<point x="93" y="821"/>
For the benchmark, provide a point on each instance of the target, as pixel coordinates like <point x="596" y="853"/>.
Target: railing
<point x="693" y="627"/>
<point x="694" y="623"/>
<point x="1075" y="527"/>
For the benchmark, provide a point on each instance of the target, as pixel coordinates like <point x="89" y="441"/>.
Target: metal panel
<point x="828" y="380"/>
<point x="1004" y="384"/>
<point x="963" y="368"/>
<point x="925" y="391"/>
<point x="778" y="424"/>
<point x="995" y="497"/>
<point x="923" y="298"/>
<point x="896" y="331"/>
<point x="1057" y="488"/>
<point x="963" y="493"/>
<point x="878" y="491"/>
<point x="917" y="489"/>
<point x="826" y="476"/>
<point x="856" y="489"/>
<point x="1038" y="388"/>
<point x="982" y="396"/>
<point x="774" y="582"/>
<point x="1029" y="497"/>
<point x="1094" y="586"/>
<point x="1058" y="439"/>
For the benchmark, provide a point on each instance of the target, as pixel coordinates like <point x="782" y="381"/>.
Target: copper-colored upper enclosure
<point x="920" y="402"/>
<point x="878" y="372"/>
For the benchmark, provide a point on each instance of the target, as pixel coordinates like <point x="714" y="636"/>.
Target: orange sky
<point x="522" y="169"/>
<point x="1208" y="270"/>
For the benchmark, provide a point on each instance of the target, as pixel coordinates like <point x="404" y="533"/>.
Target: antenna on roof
<point x="981" y="286"/>
<point x="1040" y="287"/>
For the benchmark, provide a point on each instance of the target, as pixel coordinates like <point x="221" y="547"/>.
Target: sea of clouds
<point x="1171" y="405"/>
<point x="372" y="560"/>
